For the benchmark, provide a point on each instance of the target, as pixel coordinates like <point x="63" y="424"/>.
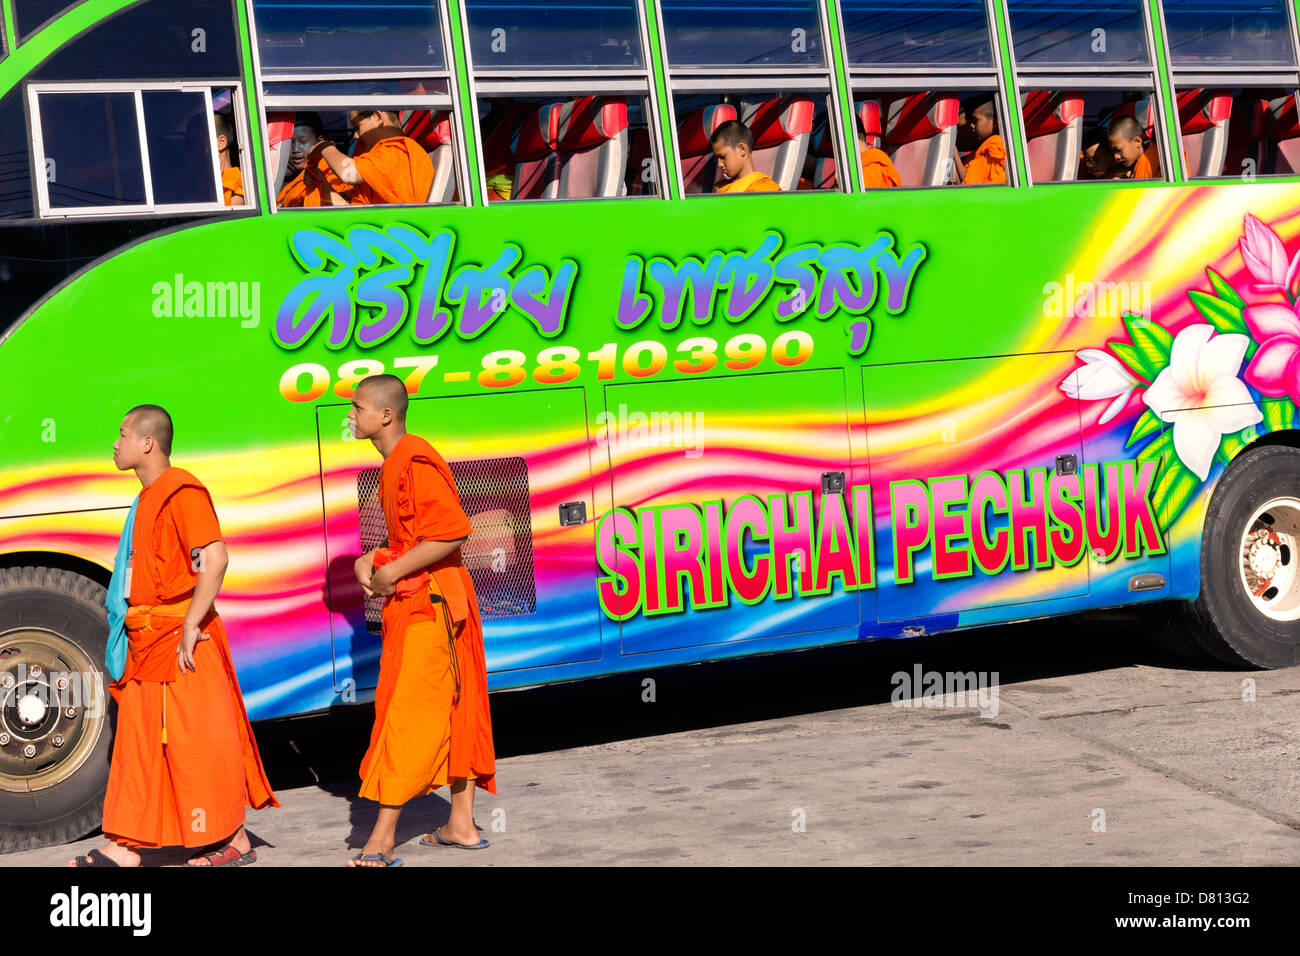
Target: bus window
<point x="578" y="147"/>
<point x="154" y="149"/>
<point x="1068" y="135"/>
<point x="1228" y="33"/>
<point x="1099" y="33"/>
<point x="1238" y="132"/>
<point x="518" y="34"/>
<point x="337" y="36"/>
<point x="759" y="33"/>
<point x="951" y="33"/>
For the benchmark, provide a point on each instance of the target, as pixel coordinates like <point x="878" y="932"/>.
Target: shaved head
<point x="732" y="133"/>
<point x="387" y="391"/>
<point x="152" y="421"/>
<point x="1126" y="127"/>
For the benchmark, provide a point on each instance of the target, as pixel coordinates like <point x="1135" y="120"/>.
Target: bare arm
<point x="343" y="166"/>
<point x="211" y="566"/>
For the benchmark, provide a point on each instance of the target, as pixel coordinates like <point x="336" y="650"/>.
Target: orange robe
<point x="232" y="186"/>
<point x="395" y="169"/>
<point x="755" y="182"/>
<point x="1148" y="164"/>
<point x="989" y="164"/>
<point x="878" y="169"/>
<point x="301" y="192"/>
<point x="409" y="754"/>
<point x="184" y="762"/>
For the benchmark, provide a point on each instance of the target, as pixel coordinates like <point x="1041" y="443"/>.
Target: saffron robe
<point x="185" y="761"/>
<point x="232" y="186"/>
<point x="1148" y="164"/>
<point x="420" y="503"/>
<point x="878" y="169"/>
<point x="394" y="169"/>
<point x="989" y="164"/>
<point x="314" y="190"/>
<point x="755" y="182"/>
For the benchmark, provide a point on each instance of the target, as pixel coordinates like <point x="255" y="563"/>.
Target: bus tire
<point x="54" y="759"/>
<point x="1248" y="611"/>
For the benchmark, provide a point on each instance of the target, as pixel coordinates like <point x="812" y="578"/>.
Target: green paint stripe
<point x="22" y="60"/>
<point x="7" y="15"/>
<point x="1166" y="88"/>
<point x="667" y="122"/>
<point x="1012" y="93"/>
<point x="848" y="125"/>
<point x="253" y="95"/>
<point x="468" y="119"/>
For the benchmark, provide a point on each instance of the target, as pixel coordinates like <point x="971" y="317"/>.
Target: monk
<point x="232" y="180"/>
<point x="185" y="762"/>
<point x="389" y="166"/>
<point x="733" y="147"/>
<point x="989" y="164"/>
<point x="1132" y="160"/>
<point x="314" y="185"/>
<point x="1095" y="159"/>
<point x="432" y="721"/>
<point x="878" y="169"/>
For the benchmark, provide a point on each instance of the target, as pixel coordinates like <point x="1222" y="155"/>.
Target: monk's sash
<point x="116" y="600"/>
<point x="367" y="140"/>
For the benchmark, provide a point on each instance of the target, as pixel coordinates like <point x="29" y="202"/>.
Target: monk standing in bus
<point x="185" y="762"/>
<point x="989" y="164"/>
<point x="432" y="722"/>
<point x="733" y="147"/>
<point x="1132" y="159"/>
<point x="388" y="166"/>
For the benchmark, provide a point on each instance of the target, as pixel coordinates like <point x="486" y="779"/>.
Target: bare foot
<point x="239" y="841"/>
<point x="121" y="855"/>
<point x="372" y="848"/>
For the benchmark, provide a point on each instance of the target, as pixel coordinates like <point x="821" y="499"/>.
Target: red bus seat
<point x="1054" y="131"/>
<point x="920" y="130"/>
<point x="1203" y="116"/>
<point x="823" y="155"/>
<point x="279" y="136"/>
<point x="432" y="130"/>
<point x="1247" y="135"/>
<point x="532" y="149"/>
<point x="1283" y="131"/>
<point x="699" y="170"/>
<point x="782" y="130"/>
<point x="640" y="163"/>
<point x="592" y="147"/>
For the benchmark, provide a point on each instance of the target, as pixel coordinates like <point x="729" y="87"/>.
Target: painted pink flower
<point x="1275" y="369"/>
<point x="1266" y="258"/>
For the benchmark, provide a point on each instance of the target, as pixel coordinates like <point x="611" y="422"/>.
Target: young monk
<point x="388" y="165"/>
<point x="989" y="164"/>
<point x="1096" y="160"/>
<point x="1132" y="161"/>
<point x="733" y="147"/>
<point x="432" y="722"/>
<point x="878" y="169"/>
<point x="314" y="185"/>
<point x="232" y="180"/>
<point x="184" y="762"/>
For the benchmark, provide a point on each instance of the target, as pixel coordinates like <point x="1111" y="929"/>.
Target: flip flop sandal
<point x="96" y="858"/>
<point x="383" y="858"/>
<point x="227" y="856"/>
<point x="480" y="845"/>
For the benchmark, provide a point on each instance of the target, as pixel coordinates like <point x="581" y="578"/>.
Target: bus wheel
<point x="1248" y="613"/>
<point x="55" y="716"/>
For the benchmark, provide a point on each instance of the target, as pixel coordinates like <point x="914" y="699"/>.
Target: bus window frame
<point x="866" y="78"/>
<point x="44" y="211"/>
<point x="548" y="80"/>
<point x="1087" y="79"/>
<point x="807" y="79"/>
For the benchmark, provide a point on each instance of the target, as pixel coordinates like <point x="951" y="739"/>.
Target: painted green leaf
<point x="1225" y="291"/>
<point x="1151" y="341"/>
<point x="1278" y="416"/>
<point x="1146" y="425"/>
<point x="1174" y="489"/>
<point x="1231" y="445"/>
<point x="1134" y="359"/>
<point x="1224" y="316"/>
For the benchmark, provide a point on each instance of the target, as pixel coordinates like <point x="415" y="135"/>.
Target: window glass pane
<point x="1239" y="133"/>
<point x="15" y="171"/>
<point x="1102" y="32"/>
<point x="754" y="33"/>
<point x="1228" y="32"/>
<point x="950" y="32"/>
<point x="110" y="174"/>
<point x="328" y="36"/>
<point x="30" y="15"/>
<point x="177" y="133"/>
<point x="581" y="33"/>
<point x="431" y="87"/>
<point x="1069" y="138"/>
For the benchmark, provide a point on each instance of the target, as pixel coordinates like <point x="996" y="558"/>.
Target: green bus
<point x="686" y="426"/>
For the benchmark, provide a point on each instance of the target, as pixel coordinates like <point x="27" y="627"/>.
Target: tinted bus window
<point x="180" y="150"/>
<point x="31" y="15"/>
<point x="334" y="36"/>
<point x="112" y="174"/>
<point x="948" y="32"/>
<point x="579" y="33"/>
<point x="1229" y="32"/>
<point x="705" y="33"/>
<point x="1104" y="33"/>
<point x="15" y="175"/>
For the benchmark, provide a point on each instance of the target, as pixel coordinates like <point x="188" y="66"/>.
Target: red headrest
<point x="429" y="128"/>
<point x="697" y="126"/>
<point x="1284" y="122"/>
<point x="538" y="134"/>
<point x="1199" y="110"/>
<point x="920" y="116"/>
<point x="279" y="127"/>
<point x="869" y="117"/>
<point x="1144" y="111"/>
<point x="1048" y="111"/>
<point x="591" y="120"/>
<point x="781" y="120"/>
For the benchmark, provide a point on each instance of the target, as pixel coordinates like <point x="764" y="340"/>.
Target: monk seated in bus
<point x="1133" y="160"/>
<point x="733" y="148"/>
<point x="387" y="167"/>
<point x="315" y="185"/>
<point x="989" y="164"/>
<point x="232" y="180"/>
<point x="1095" y="159"/>
<point x="877" y="168"/>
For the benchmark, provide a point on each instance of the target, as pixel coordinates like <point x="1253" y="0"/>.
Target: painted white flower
<point x="1102" y="376"/>
<point x="1201" y="395"/>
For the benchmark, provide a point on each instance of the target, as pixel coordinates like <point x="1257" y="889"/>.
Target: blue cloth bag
<point x="117" y="600"/>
